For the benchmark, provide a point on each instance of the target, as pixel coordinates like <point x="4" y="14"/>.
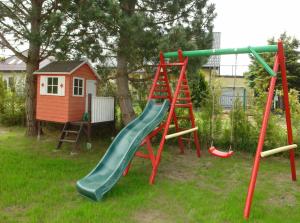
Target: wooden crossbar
<point x="278" y="150"/>
<point x="181" y="133"/>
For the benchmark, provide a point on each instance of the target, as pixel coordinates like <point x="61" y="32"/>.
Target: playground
<point x="170" y="183"/>
<point x="42" y="190"/>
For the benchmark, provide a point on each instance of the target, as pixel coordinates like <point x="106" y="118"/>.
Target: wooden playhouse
<point x="66" y="93"/>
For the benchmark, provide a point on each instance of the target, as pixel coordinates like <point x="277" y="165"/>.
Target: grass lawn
<point x="38" y="185"/>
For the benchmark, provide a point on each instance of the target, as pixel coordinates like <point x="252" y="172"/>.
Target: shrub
<point x="244" y="132"/>
<point x="12" y="108"/>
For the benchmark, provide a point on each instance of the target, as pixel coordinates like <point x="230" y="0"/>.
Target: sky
<point x="252" y="23"/>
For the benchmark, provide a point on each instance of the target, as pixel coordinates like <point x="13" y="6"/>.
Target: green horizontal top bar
<point x="198" y="53"/>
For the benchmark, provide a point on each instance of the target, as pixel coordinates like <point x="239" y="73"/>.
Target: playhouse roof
<point x="64" y="67"/>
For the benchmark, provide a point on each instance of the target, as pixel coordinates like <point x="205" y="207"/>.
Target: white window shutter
<point x="61" y="86"/>
<point x="43" y="85"/>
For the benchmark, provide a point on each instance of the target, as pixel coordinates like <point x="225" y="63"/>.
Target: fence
<point x="102" y="109"/>
<point x="227" y="101"/>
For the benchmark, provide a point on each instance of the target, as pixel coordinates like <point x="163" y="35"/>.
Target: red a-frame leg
<point x="279" y="61"/>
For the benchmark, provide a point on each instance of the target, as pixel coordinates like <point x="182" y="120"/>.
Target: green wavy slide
<point x="110" y="168"/>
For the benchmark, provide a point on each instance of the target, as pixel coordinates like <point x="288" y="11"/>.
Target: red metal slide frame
<point x="180" y="99"/>
<point x="279" y="62"/>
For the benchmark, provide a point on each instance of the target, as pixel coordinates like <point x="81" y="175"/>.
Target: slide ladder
<point x="180" y="99"/>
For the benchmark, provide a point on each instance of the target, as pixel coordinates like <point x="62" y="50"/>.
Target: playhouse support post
<point x="39" y="128"/>
<point x="89" y="126"/>
<point x="261" y="141"/>
<point x="287" y="107"/>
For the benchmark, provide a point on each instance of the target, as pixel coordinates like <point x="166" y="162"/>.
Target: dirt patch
<point x="284" y="200"/>
<point x="3" y="131"/>
<point x="149" y="216"/>
<point x="181" y="167"/>
<point x="14" y="209"/>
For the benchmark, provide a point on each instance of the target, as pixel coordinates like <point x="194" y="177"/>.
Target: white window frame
<point x="47" y="77"/>
<point x="78" y="78"/>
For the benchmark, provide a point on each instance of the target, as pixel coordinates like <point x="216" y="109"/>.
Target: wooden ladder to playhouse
<point x="181" y="99"/>
<point x="71" y="134"/>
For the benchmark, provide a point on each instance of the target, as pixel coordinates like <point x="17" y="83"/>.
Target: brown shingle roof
<point x="60" y="66"/>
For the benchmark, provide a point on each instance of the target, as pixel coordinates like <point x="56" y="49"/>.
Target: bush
<point x="244" y="132"/>
<point x="12" y="108"/>
<point x="209" y="119"/>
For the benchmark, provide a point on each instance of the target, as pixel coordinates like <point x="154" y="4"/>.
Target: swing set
<point x="181" y="98"/>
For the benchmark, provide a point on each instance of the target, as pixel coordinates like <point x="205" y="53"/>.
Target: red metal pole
<point x="287" y="107"/>
<point x="261" y="141"/>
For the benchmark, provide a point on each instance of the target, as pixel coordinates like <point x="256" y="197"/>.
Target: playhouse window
<point x="78" y="86"/>
<point x="52" y="85"/>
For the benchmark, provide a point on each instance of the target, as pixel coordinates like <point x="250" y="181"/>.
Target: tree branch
<point x="9" y="46"/>
<point x="13" y="15"/>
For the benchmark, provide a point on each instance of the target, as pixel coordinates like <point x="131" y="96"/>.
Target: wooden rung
<point x="159" y="97"/>
<point x="278" y="150"/>
<point x="142" y="155"/>
<point x="183" y="99"/>
<point x="160" y="90"/>
<point x="71" y="131"/>
<point x="183" y="117"/>
<point x="161" y="85"/>
<point x="172" y="64"/>
<point x="68" y="140"/>
<point x="188" y="105"/>
<point x="184" y="91"/>
<point x="181" y="133"/>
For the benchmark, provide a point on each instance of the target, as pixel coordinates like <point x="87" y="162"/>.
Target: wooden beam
<point x="181" y="133"/>
<point x="278" y="150"/>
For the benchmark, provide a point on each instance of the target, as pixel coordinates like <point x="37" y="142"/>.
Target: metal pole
<point x="209" y="52"/>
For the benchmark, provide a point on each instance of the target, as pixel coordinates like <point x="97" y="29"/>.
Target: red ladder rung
<point x="183" y="99"/>
<point x="160" y="90"/>
<point x="142" y="155"/>
<point x="172" y="64"/>
<point x="161" y="85"/>
<point x="188" y="105"/>
<point x="185" y="91"/>
<point x="159" y="97"/>
<point x="184" y="85"/>
<point x="184" y="117"/>
<point x="160" y="80"/>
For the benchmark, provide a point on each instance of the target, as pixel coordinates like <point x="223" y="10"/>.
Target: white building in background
<point x="229" y="77"/>
<point x="13" y="70"/>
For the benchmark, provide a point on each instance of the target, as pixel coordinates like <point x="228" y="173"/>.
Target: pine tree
<point x="259" y="79"/>
<point x="43" y="26"/>
<point x="133" y="32"/>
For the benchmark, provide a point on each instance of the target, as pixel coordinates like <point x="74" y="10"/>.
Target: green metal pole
<point x="197" y="53"/>
<point x="262" y="62"/>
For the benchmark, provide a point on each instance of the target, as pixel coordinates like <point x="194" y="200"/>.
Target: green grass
<point x="38" y="185"/>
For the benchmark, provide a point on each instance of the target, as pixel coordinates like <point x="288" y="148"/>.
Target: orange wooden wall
<point x="77" y="103"/>
<point x="63" y="108"/>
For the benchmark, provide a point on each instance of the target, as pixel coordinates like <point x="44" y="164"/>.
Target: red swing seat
<point x="212" y="150"/>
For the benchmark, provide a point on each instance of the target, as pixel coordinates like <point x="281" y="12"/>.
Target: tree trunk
<point x="30" y="102"/>
<point x="31" y="66"/>
<point x="122" y="72"/>
<point x="123" y="90"/>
